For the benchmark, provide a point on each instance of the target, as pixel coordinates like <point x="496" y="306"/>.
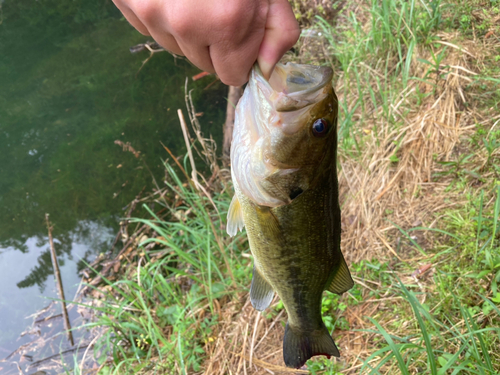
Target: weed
<point x="439" y="346"/>
<point x="404" y="97"/>
<point x="166" y="309"/>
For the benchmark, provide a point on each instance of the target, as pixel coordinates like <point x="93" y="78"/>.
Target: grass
<point x="456" y="327"/>
<point x="432" y="343"/>
<point x="420" y="193"/>
<point x="380" y="51"/>
<point x="163" y="313"/>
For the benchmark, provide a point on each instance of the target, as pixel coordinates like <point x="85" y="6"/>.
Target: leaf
<point x="394" y="158"/>
<point x="463" y="160"/>
<point x="425" y="61"/>
<point x="394" y="348"/>
<point x="442" y="361"/>
<point x="482" y="274"/>
<point x="487" y="309"/>
<point x="473" y="174"/>
<point x="448" y="163"/>
<point x="497" y="298"/>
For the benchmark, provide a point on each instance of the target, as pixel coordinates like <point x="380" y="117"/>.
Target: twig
<point x="58" y="355"/>
<point x="270" y="328"/>
<point x="456" y="47"/>
<point x="57" y="275"/>
<point x="43" y="320"/>
<point x="389" y="185"/>
<point x="242" y="354"/>
<point x="274" y="367"/>
<point x="388" y="246"/>
<point x="176" y="161"/>
<point x="255" y="328"/>
<point x="194" y="174"/>
<point x="208" y="155"/>
<point x="18" y="350"/>
<point x="91" y="345"/>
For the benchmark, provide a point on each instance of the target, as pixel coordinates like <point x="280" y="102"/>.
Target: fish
<point x="283" y="168"/>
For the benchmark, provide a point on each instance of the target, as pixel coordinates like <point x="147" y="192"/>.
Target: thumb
<point x="282" y="32"/>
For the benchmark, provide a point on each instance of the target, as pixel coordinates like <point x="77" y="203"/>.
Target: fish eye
<point x="320" y="128"/>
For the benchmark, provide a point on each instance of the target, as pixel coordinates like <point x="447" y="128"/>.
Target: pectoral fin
<point x="261" y="293"/>
<point x="342" y="280"/>
<point x="234" y="217"/>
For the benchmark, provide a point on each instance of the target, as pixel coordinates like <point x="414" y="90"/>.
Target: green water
<point x="69" y="87"/>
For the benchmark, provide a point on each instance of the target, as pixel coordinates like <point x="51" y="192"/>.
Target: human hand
<point x="221" y="36"/>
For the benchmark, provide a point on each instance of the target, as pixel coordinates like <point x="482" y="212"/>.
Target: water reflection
<point x="94" y="236"/>
<point x="32" y="268"/>
<point x="69" y="88"/>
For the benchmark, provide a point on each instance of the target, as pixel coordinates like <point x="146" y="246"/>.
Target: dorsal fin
<point x="342" y="280"/>
<point x="234" y="217"/>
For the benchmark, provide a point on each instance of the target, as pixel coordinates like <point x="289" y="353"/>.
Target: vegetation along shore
<point x="418" y="84"/>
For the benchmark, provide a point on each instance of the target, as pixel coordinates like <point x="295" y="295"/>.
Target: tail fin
<point x="298" y="347"/>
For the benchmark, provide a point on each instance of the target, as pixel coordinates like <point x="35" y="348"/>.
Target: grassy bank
<point x="418" y="85"/>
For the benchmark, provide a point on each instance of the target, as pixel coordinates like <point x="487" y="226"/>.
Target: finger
<point x="164" y="39"/>
<point x="220" y="37"/>
<point x="199" y="55"/>
<point x="234" y="54"/>
<point x="167" y="41"/>
<point x="282" y="32"/>
<point x="132" y="18"/>
<point x="149" y="20"/>
<point x="190" y="34"/>
<point x="233" y="64"/>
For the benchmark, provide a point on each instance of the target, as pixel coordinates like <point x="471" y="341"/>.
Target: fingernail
<point x="265" y="68"/>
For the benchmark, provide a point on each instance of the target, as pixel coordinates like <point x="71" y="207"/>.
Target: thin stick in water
<point x="57" y="275"/>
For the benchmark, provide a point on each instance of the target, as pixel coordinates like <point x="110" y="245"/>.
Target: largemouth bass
<point x="283" y="162"/>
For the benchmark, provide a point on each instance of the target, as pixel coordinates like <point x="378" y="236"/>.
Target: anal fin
<point x="298" y="346"/>
<point x="234" y="217"/>
<point x="261" y="293"/>
<point x="342" y="280"/>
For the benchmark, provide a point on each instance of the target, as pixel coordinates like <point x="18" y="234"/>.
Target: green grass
<point x="152" y="321"/>
<point x="456" y="330"/>
<point x="152" y="315"/>
<point x="160" y="315"/>
<point x="441" y="347"/>
<point x="387" y="46"/>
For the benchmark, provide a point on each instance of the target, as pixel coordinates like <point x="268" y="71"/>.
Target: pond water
<point x="69" y="88"/>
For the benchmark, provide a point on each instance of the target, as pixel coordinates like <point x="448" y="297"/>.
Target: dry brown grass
<point x="376" y="192"/>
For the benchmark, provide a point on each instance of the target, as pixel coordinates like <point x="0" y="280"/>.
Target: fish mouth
<point x="292" y="86"/>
